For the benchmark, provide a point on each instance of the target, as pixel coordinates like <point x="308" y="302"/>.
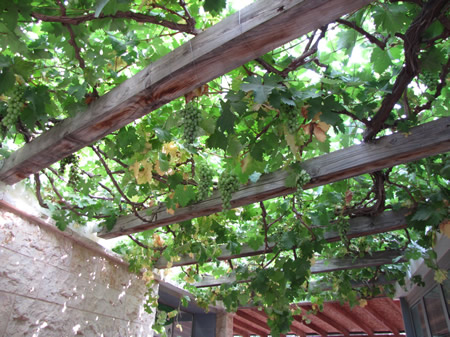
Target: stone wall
<point x="60" y="284"/>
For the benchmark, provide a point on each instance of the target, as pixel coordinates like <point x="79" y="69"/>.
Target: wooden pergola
<point x="238" y="39"/>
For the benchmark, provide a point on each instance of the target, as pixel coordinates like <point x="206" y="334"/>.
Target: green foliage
<point x="292" y="104"/>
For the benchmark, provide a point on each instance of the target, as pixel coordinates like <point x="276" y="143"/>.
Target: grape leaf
<point x="227" y="118"/>
<point x="214" y="6"/>
<point x="260" y="90"/>
<point x="100" y="5"/>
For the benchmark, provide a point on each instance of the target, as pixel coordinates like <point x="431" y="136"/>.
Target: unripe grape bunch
<point x="72" y="160"/>
<point x="291" y="114"/>
<point x="302" y="179"/>
<point x="204" y="181"/>
<point x="15" y="105"/>
<point x="191" y="119"/>
<point x="228" y="184"/>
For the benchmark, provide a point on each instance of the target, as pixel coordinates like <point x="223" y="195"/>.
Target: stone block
<point x="83" y="262"/>
<point x="32" y="317"/>
<point x="29" y="239"/>
<point x="19" y="274"/>
<point x="6" y="308"/>
<point x="112" y="274"/>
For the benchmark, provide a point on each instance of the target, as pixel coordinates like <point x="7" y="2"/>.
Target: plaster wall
<point x="61" y="284"/>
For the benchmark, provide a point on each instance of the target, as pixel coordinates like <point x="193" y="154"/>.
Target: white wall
<point x="61" y="284"/>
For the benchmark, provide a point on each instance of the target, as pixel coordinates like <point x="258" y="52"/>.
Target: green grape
<point x="228" y="184"/>
<point x="430" y="79"/>
<point x="291" y="113"/>
<point x="71" y="160"/>
<point x="204" y="177"/>
<point x="302" y="179"/>
<point x="191" y="119"/>
<point x="15" y="105"/>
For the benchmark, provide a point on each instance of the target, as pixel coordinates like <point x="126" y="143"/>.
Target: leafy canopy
<point x="379" y="70"/>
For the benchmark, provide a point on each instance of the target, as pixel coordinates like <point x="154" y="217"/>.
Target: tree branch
<point x="138" y="17"/>
<point x="37" y="180"/>
<point x="412" y="39"/>
<point x="369" y="36"/>
<point x="139" y="243"/>
<point x="72" y="41"/>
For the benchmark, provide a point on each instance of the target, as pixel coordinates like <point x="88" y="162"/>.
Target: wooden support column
<point x="239" y="38"/>
<point x="422" y="141"/>
<point x="224" y="324"/>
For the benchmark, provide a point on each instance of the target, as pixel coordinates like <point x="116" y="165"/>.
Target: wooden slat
<point x="422" y="141"/>
<point x="321" y="266"/>
<point x="249" y="326"/>
<point x="383" y="320"/>
<point x="360" y="226"/>
<point x="336" y="307"/>
<point x="331" y="322"/>
<point x="239" y="38"/>
<point x="311" y="325"/>
<point x="254" y="319"/>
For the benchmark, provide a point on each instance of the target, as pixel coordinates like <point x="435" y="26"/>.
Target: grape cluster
<point x="290" y="113"/>
<point x="302" y="179"/>
<point x="191" y="119"/>
<point x="71" y="160"/>
<point x="228" y="184"/>
<point x="430" y="79"/>
<point x="15" y="105"/>
<point x="204" y="177"/>
<point x="343" y="226"/>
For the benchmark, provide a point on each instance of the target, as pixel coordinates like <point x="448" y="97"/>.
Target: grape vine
<point x="228" y="184"/>
<point x="15" y="105"/>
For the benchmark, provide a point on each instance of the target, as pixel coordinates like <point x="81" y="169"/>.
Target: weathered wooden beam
<point x="322" y="266"/>
<point x="360" y="226"/>
<point x="239" y="38"/>
<point x="422" y="141"/>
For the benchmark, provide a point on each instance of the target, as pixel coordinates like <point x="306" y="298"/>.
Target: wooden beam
<point x="241" y="332"/>
<point x="360" y="226"/>
<point x="331" y="322"/>
<point x="239" y="38"/>
<point x="296" y="328"/>
<point x="422" y="141"/>
<point x="321" y="266"/>
<point x="348" y="315"/>
<point x="383" y="320"/>
<point x="311" y="325"/>
<point x="249" y="326"/>
<point x="254" y="319"/>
